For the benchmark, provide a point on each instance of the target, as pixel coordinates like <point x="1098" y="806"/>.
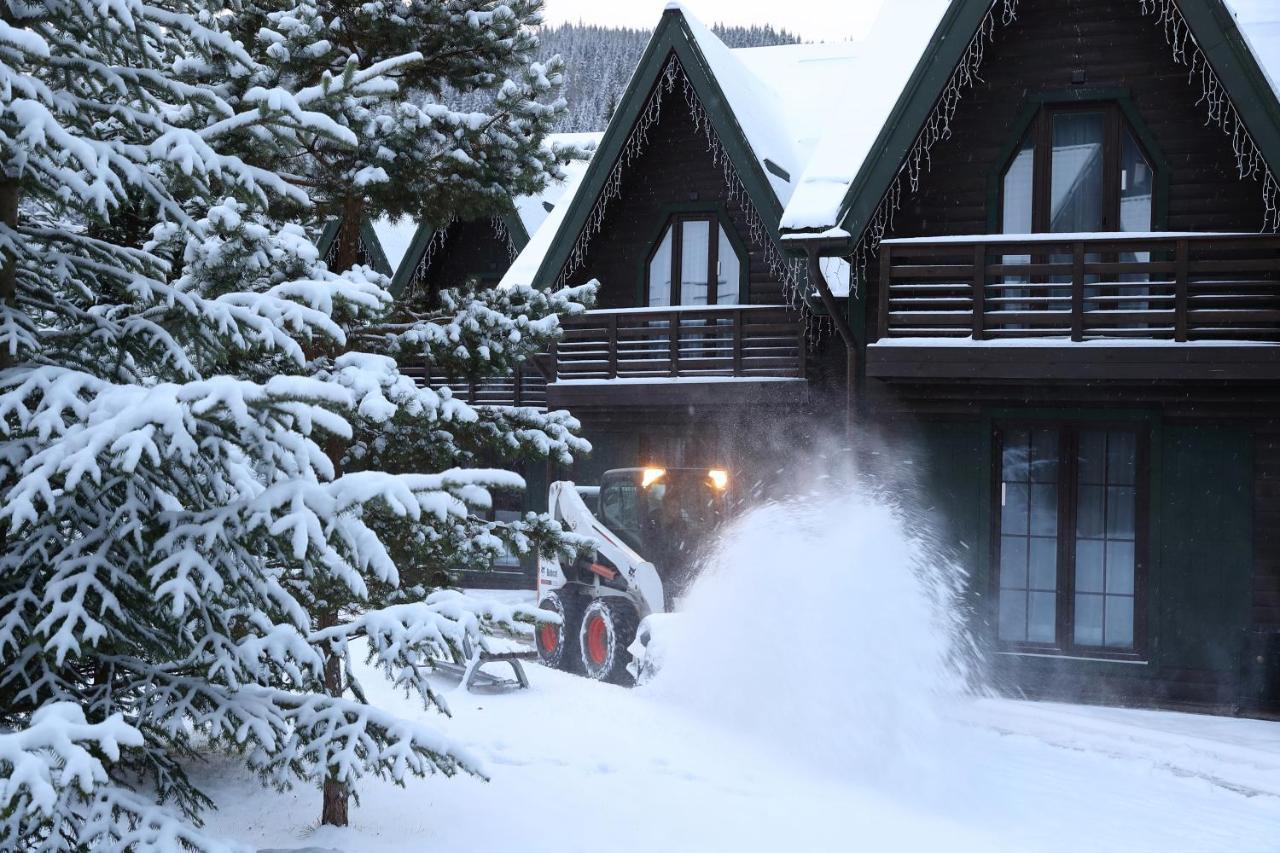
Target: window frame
<point x="1068" y="484"/>
<point x="674" y="222"/>
<point x="1040" y="128"/>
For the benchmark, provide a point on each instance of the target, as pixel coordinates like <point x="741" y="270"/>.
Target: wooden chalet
<point x="437" y="255"/>
<point x="1062" y="227"/>
<point x="701" y="350"/>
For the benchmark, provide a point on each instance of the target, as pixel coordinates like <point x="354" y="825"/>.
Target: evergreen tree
<point x="415" y="155"/>
<point x="170" y="397"/>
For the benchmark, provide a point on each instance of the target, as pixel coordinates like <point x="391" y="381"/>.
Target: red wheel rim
<point x="549" y="637"/>
<point x="597" y="648"/>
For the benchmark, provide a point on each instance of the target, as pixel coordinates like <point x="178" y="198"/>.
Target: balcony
<point x="661" y="355"/>
<point x="1074" y="306"/>
<point x="527" y="386"/>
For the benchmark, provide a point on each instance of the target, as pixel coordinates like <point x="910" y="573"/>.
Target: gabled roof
<point x="844" y="184"/>
<point x="1259" y="23"/>
<point x="525" y="217"/>
<point x="368" y="239"/>
<point x="767" y="106"/>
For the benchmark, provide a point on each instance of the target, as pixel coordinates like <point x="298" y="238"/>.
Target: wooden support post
<point x="613" y="346"/>
<point x="886" y="267"/>
<point x="1181" y="266"/>
<point x="738" y="332"/>
<point x="673" y="336"/>
<point x="1077" y="291"/>
<point x="802" y="349"/>
<point x="979" y="291"/>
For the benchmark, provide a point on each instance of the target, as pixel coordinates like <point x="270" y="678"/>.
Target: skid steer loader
<point x="649" y="524"/>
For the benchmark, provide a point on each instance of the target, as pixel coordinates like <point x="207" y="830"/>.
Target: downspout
<point x="815" y="250"/>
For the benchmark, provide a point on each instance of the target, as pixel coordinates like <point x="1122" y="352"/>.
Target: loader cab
<point x="665" y="514"/>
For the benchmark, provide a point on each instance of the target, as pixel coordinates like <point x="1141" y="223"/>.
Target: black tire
<point x="558" y="644"/>
<point x="607" y="629"/>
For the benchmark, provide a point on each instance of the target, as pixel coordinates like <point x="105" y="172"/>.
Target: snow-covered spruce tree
<point x="167" y="527"/>
<point x="416" y="156"/>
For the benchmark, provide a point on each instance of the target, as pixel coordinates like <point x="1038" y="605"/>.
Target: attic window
<point x="1080" y="168"/>
<point x="694" y="262"/>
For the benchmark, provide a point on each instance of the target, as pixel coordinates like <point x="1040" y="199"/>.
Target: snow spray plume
<point x="827" y="623"/>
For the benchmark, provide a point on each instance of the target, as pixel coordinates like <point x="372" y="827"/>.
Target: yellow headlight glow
<point x="719" y="478"/>
<point x="651" y="476"/>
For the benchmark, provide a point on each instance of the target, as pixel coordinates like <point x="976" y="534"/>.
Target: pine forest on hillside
<point x="598" y="62"/>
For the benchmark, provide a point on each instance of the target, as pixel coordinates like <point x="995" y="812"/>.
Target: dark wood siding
<point x="674" y="171"/>
<point x="1266" y="530"/>
<point x="1117" y="47"/>
<point x="471" y="250"/>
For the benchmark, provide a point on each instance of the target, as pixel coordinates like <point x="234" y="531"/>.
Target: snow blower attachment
<point x="663" y="514"/>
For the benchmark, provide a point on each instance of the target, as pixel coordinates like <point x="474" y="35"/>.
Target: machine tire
<point x="558" y="644"/>
<point x="608" y="627"/>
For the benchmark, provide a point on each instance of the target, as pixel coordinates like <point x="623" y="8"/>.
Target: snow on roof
<point x="886" y="60"/>
<point x="542" y="228"/>
<point x="756" y="102"/>
<point x="875" y="77"/>
<point x="1259" y="22"/>
<point x="533" y="209"/>
<point x="395" y="235"/>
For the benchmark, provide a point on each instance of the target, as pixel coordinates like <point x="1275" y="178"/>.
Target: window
<point x="508" y="560"/>
<point x="1078" y="169"/>
<point x="694" y="263"/>
<point x="1068" y="542"/>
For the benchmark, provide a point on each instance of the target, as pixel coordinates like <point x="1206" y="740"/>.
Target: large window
<point x="694" y="263"/>
<point x="1069" y="539"/>
<point x="1078" y="169"/>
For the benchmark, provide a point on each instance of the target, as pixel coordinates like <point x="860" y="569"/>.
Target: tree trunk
<point x="9" y="269"/>
<point x="347" y="250"/>
<point x="336" y="796"/>
<point x="9" y="193"/>
<point x="346" y="255"/>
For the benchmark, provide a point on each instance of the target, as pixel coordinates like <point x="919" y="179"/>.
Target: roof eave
<point x="671" y="35"/>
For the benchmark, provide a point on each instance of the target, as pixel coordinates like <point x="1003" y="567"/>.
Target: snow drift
<point x="824" y="625"/>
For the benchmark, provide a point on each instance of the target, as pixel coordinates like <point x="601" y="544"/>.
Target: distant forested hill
<point x="599" y="61"/>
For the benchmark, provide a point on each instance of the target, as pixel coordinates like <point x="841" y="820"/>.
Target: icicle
<point x="433" y="246"/>
<point x="1219" y="108"/>
<point x="504" y="236"/>
<point x="937" y="128"/>
<point x="785" y="270"/>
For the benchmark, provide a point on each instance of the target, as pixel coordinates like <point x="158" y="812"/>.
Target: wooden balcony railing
<point x="1178" y="287"/>
<point x="527" y="386"/>
<point x="682" y="342"/>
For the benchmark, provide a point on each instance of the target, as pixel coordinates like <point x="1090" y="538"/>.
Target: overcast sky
<point x="813" y="20"/>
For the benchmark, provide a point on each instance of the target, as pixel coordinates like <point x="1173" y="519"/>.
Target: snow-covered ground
<point x="582" y="766"/>
<point x="805" y="718"/>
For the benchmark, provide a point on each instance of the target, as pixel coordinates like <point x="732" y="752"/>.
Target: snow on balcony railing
<point x="1160" y="285"/>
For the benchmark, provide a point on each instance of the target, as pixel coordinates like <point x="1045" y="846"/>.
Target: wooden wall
<point x="674" y="171"/>
<point x="1266" y="530"/>
<point x="471" y="250"/>
<point x="1117" y="47"/>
